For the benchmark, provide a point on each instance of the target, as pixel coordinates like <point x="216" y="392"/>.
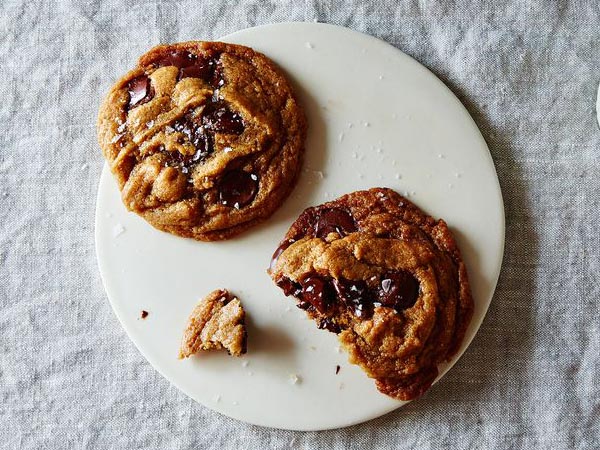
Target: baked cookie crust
<point x="387" y="278"/>
<point x="205" y="139"/>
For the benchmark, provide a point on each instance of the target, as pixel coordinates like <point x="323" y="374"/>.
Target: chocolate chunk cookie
<point x="204" y="139"/>
<point x="387" y="278"/>
<point x="217" y="322"/>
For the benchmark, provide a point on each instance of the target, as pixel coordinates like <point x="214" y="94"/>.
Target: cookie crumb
<point x="244" y="363"/>
<point x="217" y="322"/>
<point x="118" y="230"/>
<point x="144" y="314"/>
<point x="295" y="379"/>
<point x="337" y="369"/>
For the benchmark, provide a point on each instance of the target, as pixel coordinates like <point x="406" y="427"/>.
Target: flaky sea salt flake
<point x="118" y="230"/>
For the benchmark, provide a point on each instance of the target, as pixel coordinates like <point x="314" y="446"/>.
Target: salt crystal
<point x="217" y="398"/>
<point x="457" y="175"/>
<point x="169" y="129"/>
<point x="366" y="124"/>
<point x="295" y="379"/>
<point x="398" y="176"/>
<point x="309" y="45"/>
<point x="116" y="138"/>
<point x="381" y="77"/>
<point x="450" y="185"/>
<point x="244" y="363"/>
<point x="121" y="128"/>
<point x="350" y="125"/>
<point x="118" y="230"/>
<point x="234" y="403"/>
<point x="227" y="149"/>
<point x="150" y="124"/>
<point x="379" y="150"/>
<point x="84" y="166"/>
<point x="441" y="156"/>
<point x="341" y="136"/>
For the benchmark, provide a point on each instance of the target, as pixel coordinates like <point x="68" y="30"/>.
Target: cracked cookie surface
<point x="217" y="322"/>
<point x="384" y="276"/>
<point x="205" y="139"/>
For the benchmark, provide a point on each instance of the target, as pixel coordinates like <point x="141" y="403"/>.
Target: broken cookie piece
<point x="217" y="322"/>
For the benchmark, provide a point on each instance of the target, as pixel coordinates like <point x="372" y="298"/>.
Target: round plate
<point x="376" y="118"/>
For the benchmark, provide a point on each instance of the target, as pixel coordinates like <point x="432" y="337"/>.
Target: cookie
<point x="217" y="322"/>
<point x="205" y="139"/>
<point x="387" y="278"/>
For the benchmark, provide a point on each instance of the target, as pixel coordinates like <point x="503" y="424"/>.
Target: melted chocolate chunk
<point x="203" y="69"/>
<point x="317" y="292"/>
<point x="197" y="136"/>
<point x="329" y="325"/>
<point x="356" y="295"/>
<point x="304" y="306"/>
<point x="398" y="290"/>
<point x="189" y="65"/>
<point x="289" y="287"/>
<point x="237" y="188"/>
<point x="140" y="91"/>
<point x="220" y="119"/>
<point x="178" y="58"/>
<point x="334" y="220"/>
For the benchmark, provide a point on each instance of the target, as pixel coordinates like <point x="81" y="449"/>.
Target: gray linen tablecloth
<point x="527" y="71"/>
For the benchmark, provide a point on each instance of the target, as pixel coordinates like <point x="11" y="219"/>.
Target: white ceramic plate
<point x="376" y="118"/>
